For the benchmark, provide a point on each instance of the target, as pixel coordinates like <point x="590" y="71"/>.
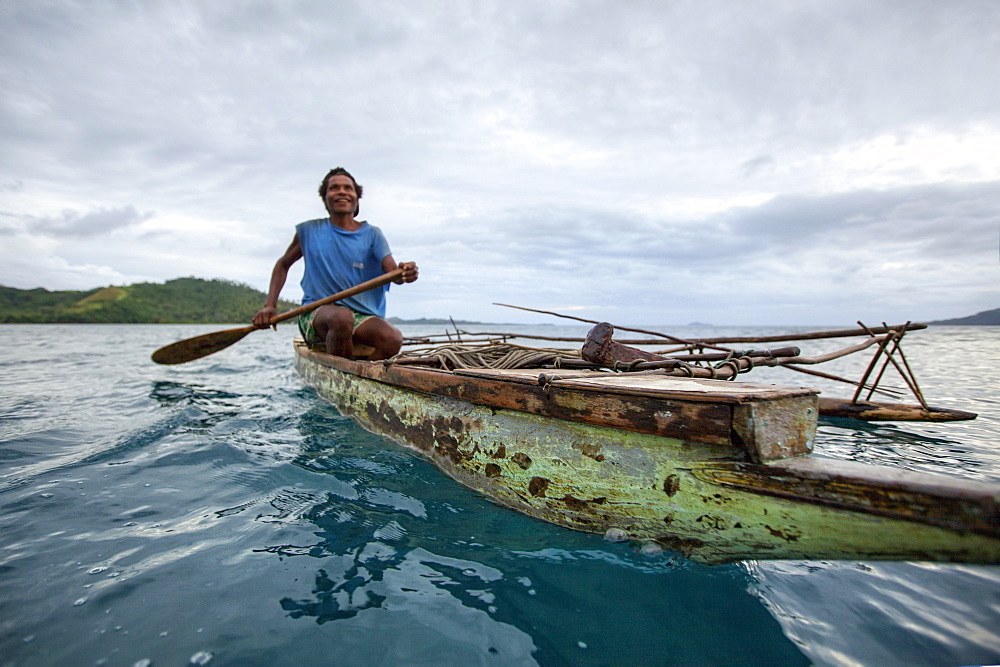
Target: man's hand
<point x="262" y="319"/>
<point x="410" y="271"/>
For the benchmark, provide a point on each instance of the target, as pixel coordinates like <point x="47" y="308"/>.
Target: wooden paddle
<point x="201" y="346"/>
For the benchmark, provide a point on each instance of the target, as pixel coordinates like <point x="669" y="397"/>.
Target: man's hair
<point x="340" y="171"/>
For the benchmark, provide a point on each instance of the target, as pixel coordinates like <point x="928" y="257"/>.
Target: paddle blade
<point x="200" y="346"/>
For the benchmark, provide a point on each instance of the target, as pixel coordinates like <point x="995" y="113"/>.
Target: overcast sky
<point x="657" y="162"/>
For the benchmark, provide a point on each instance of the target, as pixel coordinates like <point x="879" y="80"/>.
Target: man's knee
<point x="385" y="338"/>
<point x="393" y="340"/>
<point x="337" y="319"/>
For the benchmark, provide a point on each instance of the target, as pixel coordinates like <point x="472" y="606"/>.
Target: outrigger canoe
<point x="719" y="470"/>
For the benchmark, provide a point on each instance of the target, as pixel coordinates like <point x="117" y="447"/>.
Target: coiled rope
<point x="493" y="355"/>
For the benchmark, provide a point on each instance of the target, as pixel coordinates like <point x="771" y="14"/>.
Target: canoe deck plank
<point x="642" y="384"/>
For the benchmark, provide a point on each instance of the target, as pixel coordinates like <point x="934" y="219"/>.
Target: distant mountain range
<point x="987" y="317"/>
<point x="431" y="320"/>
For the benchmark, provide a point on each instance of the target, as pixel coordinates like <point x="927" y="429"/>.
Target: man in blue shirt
<point x="340" y="252"/>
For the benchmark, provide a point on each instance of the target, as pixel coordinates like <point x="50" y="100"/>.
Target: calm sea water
<point x="220" y="512"/>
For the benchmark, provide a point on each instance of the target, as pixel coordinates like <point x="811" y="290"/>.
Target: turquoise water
<point x="221" y="512"/>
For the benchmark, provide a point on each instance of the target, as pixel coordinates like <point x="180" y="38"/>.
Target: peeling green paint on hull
<point x="692" y="497"/>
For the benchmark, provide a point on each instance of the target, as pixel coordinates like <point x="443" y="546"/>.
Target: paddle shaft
<point x="333" y="298"/>
<point x="201" y="346"/>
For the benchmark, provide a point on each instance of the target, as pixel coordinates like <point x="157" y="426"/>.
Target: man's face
<point x="341" y="197"/>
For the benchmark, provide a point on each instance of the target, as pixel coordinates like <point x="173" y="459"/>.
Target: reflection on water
<point x="902" y="447"/>
<point x="448" y="597"/>
<point x="885" y="613"/>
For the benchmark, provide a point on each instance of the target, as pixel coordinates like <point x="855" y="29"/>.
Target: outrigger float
<point x="667" y="448"/>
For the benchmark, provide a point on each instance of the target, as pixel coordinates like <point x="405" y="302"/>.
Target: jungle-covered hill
<point x="182" y="300"/>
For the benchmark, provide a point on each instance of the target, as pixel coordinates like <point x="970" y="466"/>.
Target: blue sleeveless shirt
<point x="337" y="260"/>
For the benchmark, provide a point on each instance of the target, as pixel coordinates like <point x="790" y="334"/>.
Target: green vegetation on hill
<point x="182" y="300"/>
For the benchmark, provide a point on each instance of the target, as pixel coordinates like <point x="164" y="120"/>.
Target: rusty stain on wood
<point x="671" y="485"/>
<point x="522" y="460"/>
<point x="537" y="486"/>
<point x="781" y="534"/>
<point x="590" y="450"/>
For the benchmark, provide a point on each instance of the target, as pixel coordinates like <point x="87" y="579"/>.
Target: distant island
<point x="987" y="318"/>
<point x="178" y="301"/>
<point x="431" y="320"/>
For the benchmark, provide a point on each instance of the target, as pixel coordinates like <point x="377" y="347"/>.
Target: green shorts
<point x="308" y="331"/>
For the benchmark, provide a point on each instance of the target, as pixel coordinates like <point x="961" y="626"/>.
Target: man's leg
<point x="335" y="325"/>
<point x="385" y="338"/>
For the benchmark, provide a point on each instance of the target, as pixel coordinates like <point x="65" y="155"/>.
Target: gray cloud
<point x="94" y="223"/>
<point x="932" y="221"/>
<point x="596" y="154"/>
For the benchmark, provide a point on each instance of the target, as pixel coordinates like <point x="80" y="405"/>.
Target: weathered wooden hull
<point x="668" y="470"/>
<point x="890" y="412"/>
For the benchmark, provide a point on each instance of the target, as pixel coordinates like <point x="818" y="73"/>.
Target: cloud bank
<point x="643" y="162"/>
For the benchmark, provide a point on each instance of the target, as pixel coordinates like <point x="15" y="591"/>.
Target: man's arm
<point x="410" y="272"/>
<point x="278" y="276"/>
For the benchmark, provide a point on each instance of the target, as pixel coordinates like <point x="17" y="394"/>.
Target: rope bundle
<point x="494" y="355"/>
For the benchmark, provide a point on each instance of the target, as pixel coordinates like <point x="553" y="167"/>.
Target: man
<point x="340" y="252"/>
